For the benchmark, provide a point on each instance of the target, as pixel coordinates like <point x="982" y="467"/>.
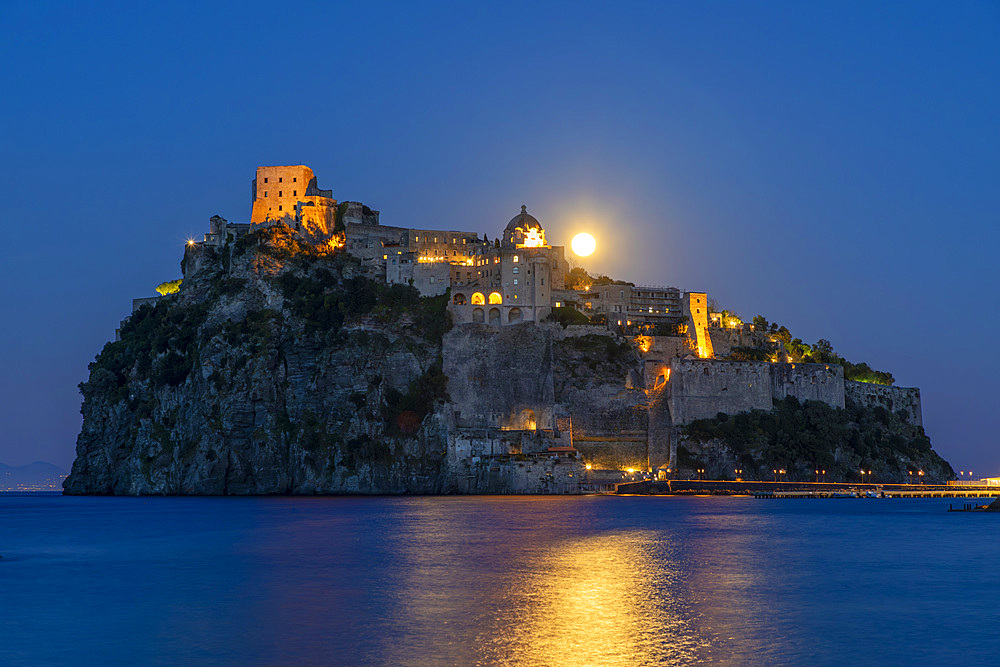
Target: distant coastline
<point x="37" y="477"/>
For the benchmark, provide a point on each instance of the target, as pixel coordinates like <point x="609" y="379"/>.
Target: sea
<point x="506" y="580"/>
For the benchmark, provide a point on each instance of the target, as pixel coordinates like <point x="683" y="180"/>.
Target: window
<point x="516" y="259"/>
<point x="279" y="179"/>
<point x="432" y="280"/>
<point x="516" y="269"/>
<point x="265" y="193"/>
<point x="495" y="298"/>
<point x="463" y="241"/>
<point x="543" y="281"/>
<point x="621" y="294"/>
<point x="515" y="282"/>
<point x="385" y="256"/>
<point x="295" y="193"/>
<point x="295" y="180"/>
<point x="558" y="304"/>
<point x="454" y="252"/>
<point x="279" y="193"/>
<point x="417" y="239"/>
<point x="265" y="180"/>
<point x="435" y="239"/>
<point x="478" y="299"/>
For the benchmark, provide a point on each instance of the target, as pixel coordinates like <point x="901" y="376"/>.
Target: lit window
<point x="479" y="300"/>
<point x="516" y="258"/>
<point x="385" y="256"/>
<point x="435" y="239"/>
<point x="416" y="238"/>
<point x="558" y="304"/>
<point x="495" y="298"/>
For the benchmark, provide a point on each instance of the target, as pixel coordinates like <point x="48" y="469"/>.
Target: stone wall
<point x="894" y="399"/>
<point x="724" y="340"/>
<point x="808" y="382"/>
<point x="702" y="388"/>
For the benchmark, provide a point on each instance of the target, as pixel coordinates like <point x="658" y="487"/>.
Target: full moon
<point x="583" y="244"/>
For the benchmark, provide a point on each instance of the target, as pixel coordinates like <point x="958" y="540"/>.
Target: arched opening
<point x="459" y="299"/>
<point x="514" y="315"/>
<point x="494" y="316"/>
<point x="478" y="299"/>
<point x="495" y="298"/>
<point x="478" y="315"/>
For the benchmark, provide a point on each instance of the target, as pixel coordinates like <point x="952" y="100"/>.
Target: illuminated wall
<point x="289" y="194"/>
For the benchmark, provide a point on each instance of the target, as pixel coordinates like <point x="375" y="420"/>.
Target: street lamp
<point x="921" y="474"/>
<point x="910" y="473"/>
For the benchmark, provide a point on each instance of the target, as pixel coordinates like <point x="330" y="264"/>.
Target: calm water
<point x="503" y="580"/>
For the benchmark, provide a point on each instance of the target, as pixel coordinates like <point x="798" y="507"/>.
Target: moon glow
<point x="583" y="244"/>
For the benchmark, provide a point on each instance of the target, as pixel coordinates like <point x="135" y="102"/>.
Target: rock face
<point x="276" y="369"/>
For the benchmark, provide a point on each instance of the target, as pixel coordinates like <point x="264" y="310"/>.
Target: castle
<point x="521" y="278"/>
<point x="517" y="278"/>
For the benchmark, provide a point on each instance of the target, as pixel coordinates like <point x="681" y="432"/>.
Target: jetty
<point x="694" y="487"/>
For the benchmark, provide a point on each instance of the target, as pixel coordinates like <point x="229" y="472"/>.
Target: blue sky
<point x="833" y="166"/>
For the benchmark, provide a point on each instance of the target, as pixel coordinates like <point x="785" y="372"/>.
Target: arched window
<point x="459" y="299"/>
<point x="514" y="315"/>
<point x="478" y="299"/>
<point x="494" y="316"/>
<point x="495" y="298"/>
<point x="478" y="315"/>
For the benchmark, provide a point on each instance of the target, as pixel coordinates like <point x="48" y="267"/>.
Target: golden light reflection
<point x="597" y="600"/>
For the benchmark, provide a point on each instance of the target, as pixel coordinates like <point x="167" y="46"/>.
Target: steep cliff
<point x="276" y="368"/>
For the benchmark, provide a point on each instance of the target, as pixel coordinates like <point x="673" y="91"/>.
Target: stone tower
<point x="289" y="194"/>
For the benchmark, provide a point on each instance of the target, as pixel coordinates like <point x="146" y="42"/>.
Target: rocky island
<point x="314" y="350"/>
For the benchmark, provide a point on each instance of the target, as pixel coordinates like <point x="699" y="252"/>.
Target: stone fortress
<point x="501" y="357"/>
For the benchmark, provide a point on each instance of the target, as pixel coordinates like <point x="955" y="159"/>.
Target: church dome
<point x="523" y="220"/>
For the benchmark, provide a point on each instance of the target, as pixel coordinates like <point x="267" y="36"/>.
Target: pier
<point x="694" y="487"/>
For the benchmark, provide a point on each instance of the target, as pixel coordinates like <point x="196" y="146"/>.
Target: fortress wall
<point x="724" y="340"/>
<point x="891" y="398"/>
<point x="495" y="374"/>
<point x="613" y="454"/>
<point x="808" y="382"/>
<point x="702" y="388"/>
<point x="432" y="279"/>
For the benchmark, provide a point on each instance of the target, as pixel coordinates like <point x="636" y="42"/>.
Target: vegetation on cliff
<point x="278" y="367"/>
<point x="804" y="437"/>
